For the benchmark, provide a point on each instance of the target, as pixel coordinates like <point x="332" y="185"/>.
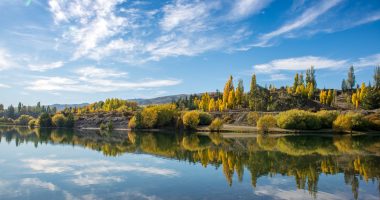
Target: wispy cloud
<point x="369" y="61"/>
<point x="4" y="85"/>
<point x="245" y="8"/>
<point x="6" y="61"/>
<point x="38" y="183"/>
<point x="307" y="17"/>
<point x="299" y="63"/>
<point x="45" y="67"/>
<point x="89" y="172"/>
<point x="193" y="16"/>
<point x="92" y="79"/>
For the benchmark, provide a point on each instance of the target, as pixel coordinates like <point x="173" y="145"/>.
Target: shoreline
<point x="231" y="130"/>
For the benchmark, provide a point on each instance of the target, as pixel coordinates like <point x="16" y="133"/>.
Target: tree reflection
<point x="303" y="157"/>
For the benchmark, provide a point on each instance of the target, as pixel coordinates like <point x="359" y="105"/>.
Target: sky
<point x="60" y="51"/>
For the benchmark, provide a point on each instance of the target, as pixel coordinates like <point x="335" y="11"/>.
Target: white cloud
<point x="306" y="18"/>
<point x="38" y="183"/>
<point x="91" y="72"/>
<point x="45" y="67"/>
<point x="6" y="61"/>
<point x="277" y="193"/>
<point x="88" y="172"/>
<point x="245" y="8"/>
<point x="299" y="63"/>
<point x="188" y="16"/>
<point x="4" y="85"/>
<point x="369" y="61"/>
<point x="95" y="180"/>
<point x="92" y="79"/>
<point x="278" y="77"/>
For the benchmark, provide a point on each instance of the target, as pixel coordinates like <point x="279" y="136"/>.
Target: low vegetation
<point x="350" y="121"/>
<point x="266" y="122"/>
<point x="298" y="119"/>
<point x="191" y="119"/>
<point x="216" y="125"/>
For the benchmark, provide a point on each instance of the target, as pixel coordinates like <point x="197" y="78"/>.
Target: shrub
<point x="374" y="121"/>
<point x="350" y="121"/>
<point x="191" y="119"/>
<point x="265" y="122"/>
<point x="132" y="123"/>
<point x="204" y="118"/>
<point x="59" y="120"/>
<point x="252" y="118"/>
<point x="298" y="119"/>
<point x="327" y="118"/>
<point x="216" y="125"/>
<point x="23" y="120"/>
<point x="166" y="114"/>
<point x="108" y="126"/>
<point x="149" y="117"/>
<point x="32" y="123"/>
<point x="4" y="120"/>
<point x="70" y="120"/>
<point x="44" y="120"/>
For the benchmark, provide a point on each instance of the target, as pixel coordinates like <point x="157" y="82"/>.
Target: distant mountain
<point x="63" y="106"/>
<point x="159" y="100"/>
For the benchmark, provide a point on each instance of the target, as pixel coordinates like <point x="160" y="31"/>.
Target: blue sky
<point x="58" y="51"/>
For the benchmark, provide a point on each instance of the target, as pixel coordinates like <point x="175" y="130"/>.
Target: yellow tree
<point x="227" y="88"/>
<point x="231" y="100"/>
<point x="330" y="98"/>
<point x="211" y="105"/>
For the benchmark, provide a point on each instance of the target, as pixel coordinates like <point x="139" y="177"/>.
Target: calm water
<point x="63" y="164"/>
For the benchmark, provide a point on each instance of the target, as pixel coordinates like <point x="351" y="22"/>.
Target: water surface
<point x="66" y="164"/>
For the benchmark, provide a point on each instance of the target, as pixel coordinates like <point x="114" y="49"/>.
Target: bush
<point x="327" y="118"/>
<point x="166" y="114"/>
<point x="108" y="126"/>
<point x="298" y="119"/>
<point x="70" y="120"/>
<point x="350" y="121"/>
<point x="191" y="119"/>
<point x="23" y="120"/>
<point x="149" y="117"/>
<point x="204" y="118"/>
<point x="59" y="120"/>
<point x="32" y="123"/>
<point x="216" y="125"/>
<point x="44" y="120"/>
<point x="265" y="122"/>
<point x="374" y="121"/>
<point x="252" y="118"/>
<point x="4" y="120"/>
<point x="132" y="123"/>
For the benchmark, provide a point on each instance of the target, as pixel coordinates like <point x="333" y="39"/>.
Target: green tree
<point x="253" y="92"/>
<point x="11" y="112"/>
<point x="351" y="78"/>
<point x="44" y="120"/>
<point x="296" y="82"/>
<point x="376" y="78"/>
<point x="239" y="94"/>
<point x="344" y="85"/>
<point x="310" y="77"/>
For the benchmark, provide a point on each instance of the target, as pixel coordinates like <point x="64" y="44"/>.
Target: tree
<point x="11" y="112"/>
<point x="45" y="120"/>
<point x="19" y="107"/>
<point x="310" y="94"/>
<point x="1" y="107"/>
<point x="344" y="85"/>
<point x="239" y="94"/>
<point x="227" y="88"/>
<point x="351" y="78"/>
<point x="231" y="100"/>
<point x="376" y="78"/>
<point x="330" y="97"/>
<point x="211" y="105"/>
<point x="296" y="82"/>
<point x="191" y="119"/>
<point x="253" y="93"/>
<point x="310" y="77"/>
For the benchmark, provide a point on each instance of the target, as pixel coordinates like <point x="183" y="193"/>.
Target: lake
<point x="67" y="164"/>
